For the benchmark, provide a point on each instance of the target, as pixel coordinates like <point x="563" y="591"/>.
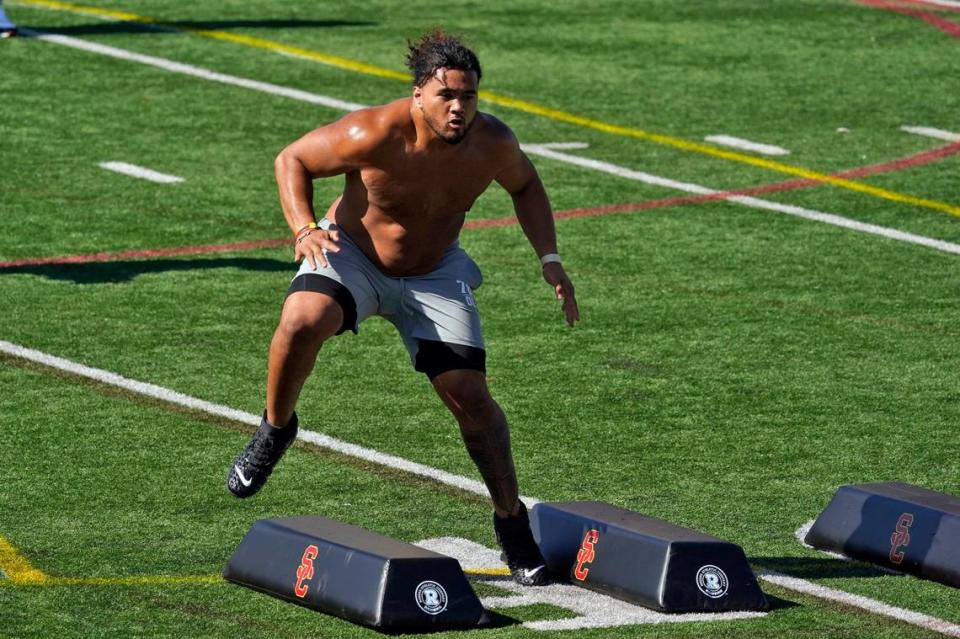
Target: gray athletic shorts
<point x="435" y="313"/>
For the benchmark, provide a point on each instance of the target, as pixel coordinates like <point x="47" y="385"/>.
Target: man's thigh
<point x="349" y="278"/>
<point x="439" y="320"/>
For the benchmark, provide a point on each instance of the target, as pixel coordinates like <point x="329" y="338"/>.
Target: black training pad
<point x="645" y="560"/>
<point x="888" y="521"/>
<point x="358" y="575"/>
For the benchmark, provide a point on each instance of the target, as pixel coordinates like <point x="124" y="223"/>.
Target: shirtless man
<point x="388" y="246"/>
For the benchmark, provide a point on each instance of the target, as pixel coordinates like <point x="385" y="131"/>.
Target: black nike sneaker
<point x="520" y="551"/>
<point x="252" y="466"/>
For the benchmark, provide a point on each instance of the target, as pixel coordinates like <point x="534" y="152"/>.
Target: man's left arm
<point x="533" y="211"/>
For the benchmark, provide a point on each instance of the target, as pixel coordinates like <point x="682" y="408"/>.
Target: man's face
<point x="448" y="102"/>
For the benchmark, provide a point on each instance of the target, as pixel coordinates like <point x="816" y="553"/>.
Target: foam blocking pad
<point x="355" y="574"/>
<point x="644" y="560"/>
<point x="896" y="525"/>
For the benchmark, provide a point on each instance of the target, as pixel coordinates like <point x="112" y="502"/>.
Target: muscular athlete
<point x="388" y="246"/>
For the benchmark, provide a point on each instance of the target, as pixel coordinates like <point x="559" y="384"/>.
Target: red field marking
<point x="948" y="27"/>
<point x="916" y="159"/>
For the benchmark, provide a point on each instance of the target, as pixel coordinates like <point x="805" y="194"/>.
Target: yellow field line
<point x="136" y="580"/>
<point x="20" y="572"/>
<point x="487" y="572"/>
<point x="90" y="11"/>
<point x="527" y="107"/>
<point x="133" y="580"/>
<point x="705" y="149"/>
<point x="250" y="41"/>
<point x="15" y="566"/>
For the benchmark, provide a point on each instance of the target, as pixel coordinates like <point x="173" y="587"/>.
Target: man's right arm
<point x="330" y="150"/>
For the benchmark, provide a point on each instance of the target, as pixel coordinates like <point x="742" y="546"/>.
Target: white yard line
<point x="140" y="172"/>
<point x="930" y="132"/>
<point x="801" y="535"/>
<point x="317" y="439"/>
<point x="858" y="601"/>
<point x="547" y="151"/>
<point x="953" y="4"/>
<point x="564" y="146"/>
<point x="443" y="477"/>
<point x="747" y="145"/>
<point x="817" y="216"/>
<point x="197" y="72"/>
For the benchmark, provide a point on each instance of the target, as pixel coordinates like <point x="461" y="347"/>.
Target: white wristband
<point x="549" y="257"/>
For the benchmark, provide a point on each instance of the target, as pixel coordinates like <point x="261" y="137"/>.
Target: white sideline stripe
<point x="930" y="132"/>
<point x="140" y="172"/>
<point x="801" y="535"/>
<point x="845" y="222"/>
<point x="613" y="169"/>
<point x="818" y="216"/>
<point x="450" y="479"/>
<point x="747" y="145"/>
<point x="945" y="3"/>
<point x="858" y="601"/>
<point x="537" y="149"/>
<point x="317" y="439"/>
<point x="564" y="146"/>
<point x="198" y="72"/>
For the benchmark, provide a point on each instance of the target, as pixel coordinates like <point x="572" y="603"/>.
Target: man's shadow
<point x="121" y="27"/>
<point x="126" y="270"/>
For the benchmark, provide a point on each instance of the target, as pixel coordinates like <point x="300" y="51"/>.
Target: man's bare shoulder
<point x="385" y="118"/>
<point x="496" y="132"/>
<point x="497" y="139"/>
<point x="365" y="131"/>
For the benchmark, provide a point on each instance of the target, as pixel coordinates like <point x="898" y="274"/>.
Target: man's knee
<point x="310" y="316"/>
<point x="317" y="305"/>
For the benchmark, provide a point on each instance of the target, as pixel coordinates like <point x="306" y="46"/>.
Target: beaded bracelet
<point x="311" y="226"/>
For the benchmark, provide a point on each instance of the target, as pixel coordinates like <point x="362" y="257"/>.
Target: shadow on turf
<point x="126" y="270"/>
<point x="776" y="603"/>
<point x="817" y="568"/>
<point x="493" y="619"/>
<point x="490" y="619"/>
<point x="120" y="28"/>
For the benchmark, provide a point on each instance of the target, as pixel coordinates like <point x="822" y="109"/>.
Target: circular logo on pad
<point x="712" y="581"/>
<point x="431" y="597"/>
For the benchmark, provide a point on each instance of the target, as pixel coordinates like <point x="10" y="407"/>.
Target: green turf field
<point x="733" y="367"/>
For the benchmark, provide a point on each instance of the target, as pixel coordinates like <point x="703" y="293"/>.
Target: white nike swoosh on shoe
<point x="246" y="482"/>
<point x="529" y="573"/>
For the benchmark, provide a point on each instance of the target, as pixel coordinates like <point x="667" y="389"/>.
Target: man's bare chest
<point x="432" y="187"/>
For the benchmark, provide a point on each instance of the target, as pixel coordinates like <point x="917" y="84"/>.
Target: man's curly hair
<point x="439" y="50"/>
